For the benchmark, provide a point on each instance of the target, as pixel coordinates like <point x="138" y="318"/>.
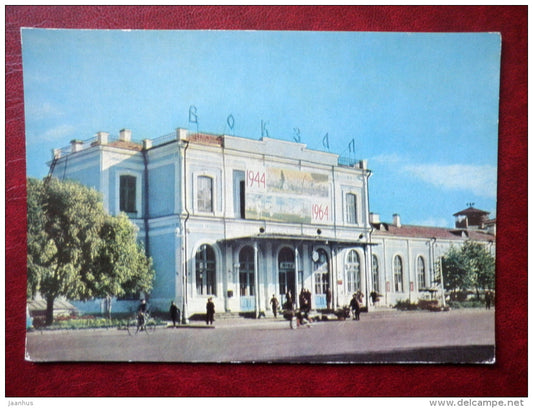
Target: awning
<point x="299" y="239"/>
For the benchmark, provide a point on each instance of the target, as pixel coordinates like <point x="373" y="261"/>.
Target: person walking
<point x="488" y="299"/>
<point x="275" y="304"/>
<point x="354" y="305"/>
<point x="360" y="298"/>
<point x="210" y="311"/>
<point x="174" y="313"/>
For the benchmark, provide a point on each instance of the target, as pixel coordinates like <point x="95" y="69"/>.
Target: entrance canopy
<point x="300" y="239"/>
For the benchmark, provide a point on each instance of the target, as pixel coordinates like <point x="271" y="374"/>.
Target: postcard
<point x="261" y="196"/>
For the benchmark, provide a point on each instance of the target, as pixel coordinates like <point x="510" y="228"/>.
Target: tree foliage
<point x="469" y="267"/>
<point x="69" y="233"/>
<point x="121" y="267"/>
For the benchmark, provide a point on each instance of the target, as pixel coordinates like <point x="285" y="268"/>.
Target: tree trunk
<point x="108" y="306"/>
<point x="49" y="310"/>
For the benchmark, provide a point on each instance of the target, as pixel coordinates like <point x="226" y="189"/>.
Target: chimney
<point x="125" y="135"/>
<point x="374" y="218"/>
<point x="102" y="137"/>
<point x="396" y="220"/>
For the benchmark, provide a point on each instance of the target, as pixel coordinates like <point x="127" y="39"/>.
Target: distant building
<point x="238" y="220"/>
<point x="472" y="218"/>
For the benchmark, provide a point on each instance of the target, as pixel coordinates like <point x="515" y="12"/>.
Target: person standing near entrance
<point x="275" y="304"/>
<point x="354" y="305"/>
<point x="210" y="311"/>
<point x="288" y="303"/>
<point x="174" y="313"/>
<point x="328" y="298"/>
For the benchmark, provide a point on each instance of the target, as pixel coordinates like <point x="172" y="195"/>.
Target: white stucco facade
<point x="239" y="220"/>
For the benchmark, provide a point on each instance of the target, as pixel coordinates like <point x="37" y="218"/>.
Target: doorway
<point x="287" y="275"/>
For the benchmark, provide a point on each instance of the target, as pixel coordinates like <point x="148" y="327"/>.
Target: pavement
<point x="381" y="336"/>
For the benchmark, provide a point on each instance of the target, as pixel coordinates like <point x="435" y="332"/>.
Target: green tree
<point x="36" y="243"/>
<point x="121" y="266"/>
<point x="469" y="267"/>
<point x="67" y="235"/>
<point x="481" y="265"/>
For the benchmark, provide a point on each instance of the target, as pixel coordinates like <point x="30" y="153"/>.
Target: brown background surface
<point x="508" y="377"/>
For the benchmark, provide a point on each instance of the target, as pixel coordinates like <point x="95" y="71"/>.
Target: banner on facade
<point x="280" y="194"/>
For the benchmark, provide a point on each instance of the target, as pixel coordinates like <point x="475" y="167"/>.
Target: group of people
<point x="175" y="313"/>
<point x="304" y="299"/>
<point x="302" y="315"/>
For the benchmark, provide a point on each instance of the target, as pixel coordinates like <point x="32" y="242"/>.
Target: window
<point x="205" y="194"/>
<point x="353" y="271"/>
<point x="398" y="274"/>
<point x="242" y="202"/>
<point x="246" y="271"/>
<point x="321" y="272"/>
<point x="128" y="194"/>
<point x="421" y="272"/>
<point x="205" y="271"/>
<point x="239" y="203"/>
<point x="375" y="274"/>
<point x="351" y="209"/>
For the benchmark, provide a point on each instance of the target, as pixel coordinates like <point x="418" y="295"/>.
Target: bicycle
<point x="297" y="318"/>
<point x="141" y="322"/>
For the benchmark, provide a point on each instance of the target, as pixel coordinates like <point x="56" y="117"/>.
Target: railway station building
<point x="240" y="220"/>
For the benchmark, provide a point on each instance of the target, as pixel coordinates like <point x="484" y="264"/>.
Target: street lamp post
<point x="442" y="282"/>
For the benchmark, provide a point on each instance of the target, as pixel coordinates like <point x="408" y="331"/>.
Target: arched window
<point x="205" y="194"/>
<point x="421" y="272"/>
<point x="246" y="271"/>
<point x="321" y="272"/>
<point x="398" y="274"/>
<point x="353" y="271"/>
<point x="375" y="274"/>
<point x="205" y="271"/>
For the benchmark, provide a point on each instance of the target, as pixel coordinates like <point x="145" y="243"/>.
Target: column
<point x="228" y="273"/>
<point x="269" y="276"/>
<point x="256" y="278"/>
<point x="368" y="274"/>
<point x="334" y="278"/>
<point x="296" y="295"/>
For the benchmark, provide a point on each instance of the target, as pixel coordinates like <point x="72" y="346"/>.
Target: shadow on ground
<point x="482" y="354"/>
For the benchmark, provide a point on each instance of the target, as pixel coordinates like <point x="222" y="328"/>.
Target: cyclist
<point x="141" y="315"/>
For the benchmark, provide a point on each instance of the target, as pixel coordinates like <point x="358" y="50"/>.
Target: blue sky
<point x="421" y="108"/>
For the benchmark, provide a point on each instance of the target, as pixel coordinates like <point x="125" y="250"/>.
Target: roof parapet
<point x="125" y="135"/>
<point x="102" y="138"/>
<point x="76" y="145"/>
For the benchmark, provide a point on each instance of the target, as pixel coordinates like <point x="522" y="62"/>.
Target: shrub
<point x="405" y="305"/>
<point x="431" y="305"/>
<point x="466" y="304"/>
